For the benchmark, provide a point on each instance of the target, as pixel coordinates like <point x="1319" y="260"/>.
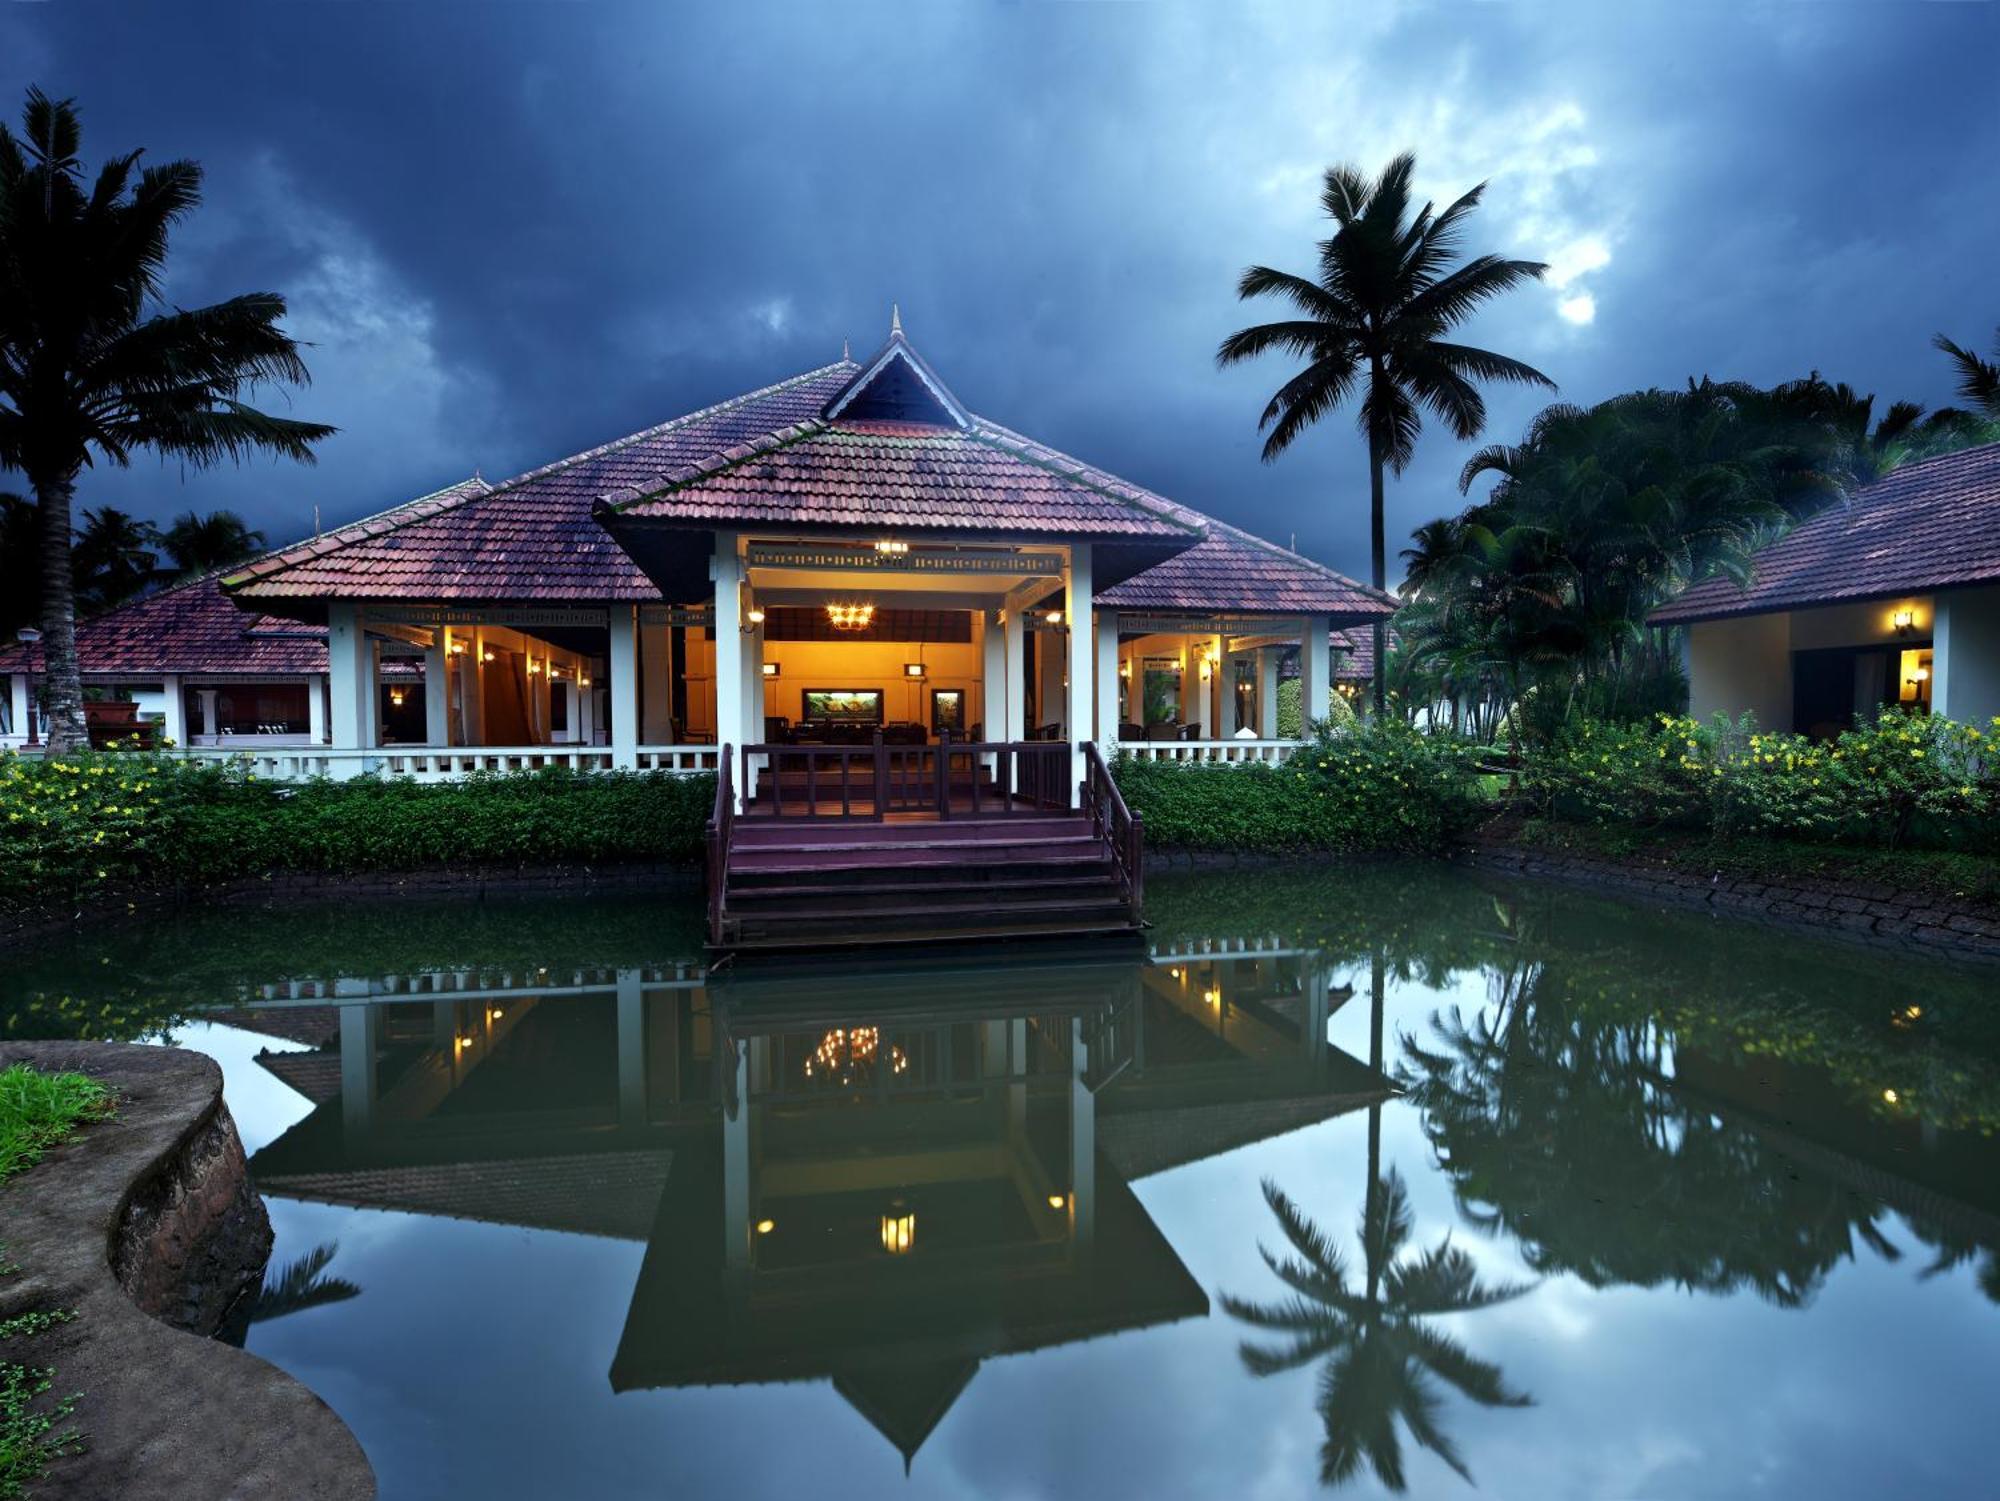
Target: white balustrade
<point x="1225" y="752"/>
<point x="434" y="763"/>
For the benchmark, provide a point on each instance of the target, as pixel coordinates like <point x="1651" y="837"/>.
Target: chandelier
<point x="847" y="1056"/>
<point x="850" y="617"/>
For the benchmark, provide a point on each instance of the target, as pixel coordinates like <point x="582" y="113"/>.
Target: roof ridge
<point x="719" y="462"/>
<point x="280" y="558"/>
<point x="668" y="426"/>
<point x="1088" y="475"/>
<point x="1294" y="556"/>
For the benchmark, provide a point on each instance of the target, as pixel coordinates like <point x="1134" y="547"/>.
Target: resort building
<point x="847" y="555"/>
<point x="1891" y="599"/>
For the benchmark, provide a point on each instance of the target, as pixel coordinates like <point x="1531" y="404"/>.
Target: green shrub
<point x="1371" y="786"/>
<point x="1903" y="779"/>
<point x="75" y="824"/>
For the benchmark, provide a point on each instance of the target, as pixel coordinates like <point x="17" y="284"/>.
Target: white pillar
<point x="1965" y="655"/>
<point x="1267" y="692"/>
<point x="174" y="701"/>
<point x="211" y="723"/>
<point x="1014" y="644"/>
<point x="753" y="702"/>
<point x="624" y="687"/>
<point x="993" y="687"/>
<point x="18" y="707"/>
<point x="1082" y="1143"/>
<point x="1077" y="608"/>
<point x="1316" y="672"/>
<point x="437" y="691"/>
<point x="727" y="573"/>
<point x="1107" y="681"/>
<point x="631" y="1049"/>
<point x="360" y="1033"/>
<point x="315" y="708"/>
<point x="350" y="670"/>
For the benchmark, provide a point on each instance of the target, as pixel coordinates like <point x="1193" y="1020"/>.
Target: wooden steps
<point x="797" y="885"/>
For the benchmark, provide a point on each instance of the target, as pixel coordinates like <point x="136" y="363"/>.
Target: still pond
<point x="1346" y="1179"/>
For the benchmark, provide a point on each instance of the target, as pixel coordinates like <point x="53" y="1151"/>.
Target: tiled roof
<point x="910" y="476"/>
<point x="1356" y="649"/>
<point x="192" y="628"/>
<point x="1927" y="526"/>
<point x="532" y="537"/>
<point x="1231" y="570"/>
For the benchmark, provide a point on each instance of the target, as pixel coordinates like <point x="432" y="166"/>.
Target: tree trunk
<point x="62" y="683"/>
<point x="1379" y="570"/>
<point x="1376" y="968"/>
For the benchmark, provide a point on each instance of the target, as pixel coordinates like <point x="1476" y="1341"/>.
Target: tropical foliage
<point x="1373" y="326"/>
<point x="94" y="370"/>
<point x="1380" y="785"/>
<point x="1903" y="779"/>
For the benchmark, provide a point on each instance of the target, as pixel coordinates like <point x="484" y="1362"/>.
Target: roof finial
<point x="845" y="352"/>
<point x="895" y="320"/>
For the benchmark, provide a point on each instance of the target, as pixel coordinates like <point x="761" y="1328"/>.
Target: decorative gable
<point x="897" y="385"/>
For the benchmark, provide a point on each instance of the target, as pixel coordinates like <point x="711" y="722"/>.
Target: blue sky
<point x="513" y="232"/>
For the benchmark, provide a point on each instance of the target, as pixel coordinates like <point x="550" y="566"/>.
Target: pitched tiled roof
<point x="1355" y="661"/>
<point x="1927" y="526"/>
<point x="1231" y="570"/>
<point x="532" y="537"/>
<point x="191" y="627"/>
<point x="910" y="476"/>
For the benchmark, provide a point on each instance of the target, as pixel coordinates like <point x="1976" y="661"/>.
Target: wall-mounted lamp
<point x="1904" y="621"/>
<point x="913" y="669"/>
<point x="1125" y="668"/>
<point x="1920" y="676"/>
<point x="770" y="669"/>
<point x="755" y="617"/>
<point x="396" y="697"/>
<point x="534" y="668"/>
<point x="1054" y="617"/>
<point x="1207" y="669"/>
<point x="582" y="680"/>
<point x="457" y="648"/>
<point x="486" y="656"/>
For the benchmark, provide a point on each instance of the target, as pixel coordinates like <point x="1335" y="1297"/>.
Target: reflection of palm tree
<point x="1383" y="1360"/>
<point x="301" y="1284"/>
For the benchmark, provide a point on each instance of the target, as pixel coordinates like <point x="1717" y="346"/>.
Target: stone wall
<point x="1862" y="911"/>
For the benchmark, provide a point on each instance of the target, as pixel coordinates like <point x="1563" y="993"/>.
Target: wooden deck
<point x="941" y="859"/>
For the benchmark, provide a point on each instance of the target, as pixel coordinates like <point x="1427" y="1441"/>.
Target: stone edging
<point x="145" y="1218"/>
<point x="1858" y="911"/>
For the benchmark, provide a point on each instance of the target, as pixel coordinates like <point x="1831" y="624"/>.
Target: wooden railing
<point x="1117" y="825"/>
<point x="721" y="825"/>
<point x="951" y="779"/>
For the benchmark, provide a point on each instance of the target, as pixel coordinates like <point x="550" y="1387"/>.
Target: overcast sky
<point x="512" y="232"/>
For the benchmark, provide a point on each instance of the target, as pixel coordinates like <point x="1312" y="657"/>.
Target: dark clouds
<point x="517" y="231"/>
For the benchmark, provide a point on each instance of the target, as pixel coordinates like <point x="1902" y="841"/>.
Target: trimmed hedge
<point x="1379" y="785"/>
<point x="73" y="825"/>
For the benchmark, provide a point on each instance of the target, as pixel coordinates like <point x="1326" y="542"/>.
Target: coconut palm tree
<point x="92" y="369"/>
<point x="1383" y="1358"/>
<point x="202" y="544"/>
<point x="1978" y="380"/>
<point x="1372" y="326"/>
<point x="113" y="559"/>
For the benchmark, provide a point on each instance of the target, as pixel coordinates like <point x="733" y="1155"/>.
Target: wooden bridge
<point x="843" y="846"/>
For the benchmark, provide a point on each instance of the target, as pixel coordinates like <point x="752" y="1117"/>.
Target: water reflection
<point x="876" y="1179"/>
<point x="892" y="1186"/>
<point x="1381" y="1357"/>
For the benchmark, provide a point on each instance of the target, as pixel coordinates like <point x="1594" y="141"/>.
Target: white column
<point x="631" y="1049"/>
<point x="350" y="669"/>
<point x="1077" y="608"/>
<point x="1082" y="1143"/>
<point x="753" y="702"/>
<point x="360" y="1032"/>
<point x="1267" y="692"/>
<point x="174" y="724"/>
<point x="1014" y="649"/>
<point x="18" y="707"/>
<point x="437" y="691"/>
<point x="727" y="572"/>
<point x="993" y="688"/>
<point x="1107" y="681"/>
<point x="315" y="709"/>
<point x="624" y="687"/>
<point x="1316" y="671"/>
<point x="1965" y="655"/>
<point x="210" y="722"/>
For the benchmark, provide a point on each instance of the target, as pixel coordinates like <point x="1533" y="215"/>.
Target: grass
<point x="37" y="1110"/>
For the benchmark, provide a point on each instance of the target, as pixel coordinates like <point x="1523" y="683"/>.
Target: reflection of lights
<point x="899" y="1230"/>
<point x="463" y="1042"/>
<point x="1906" y="1016"/>
<point x="765" y="1227"/>
<point x="1891" y="1096"/>
<point x="1175" y="973"/>
<point x="495" y="1014"/>
<point x="1058" y="1201"/>
<point x="845" y="1054"/>
<point x="1213" y="997"/>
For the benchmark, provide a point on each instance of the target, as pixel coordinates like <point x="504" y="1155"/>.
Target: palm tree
<point x="1374" y="321"/>
<point x="202" y="544"/>
<point x="89" y="368"/>
<point x="1383" y="1358"/>
<point x="112" y="558"/>
<point x="1978" y="380"/>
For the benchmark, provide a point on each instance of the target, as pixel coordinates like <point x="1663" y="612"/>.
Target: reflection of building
<point x="880" y="1180"/>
